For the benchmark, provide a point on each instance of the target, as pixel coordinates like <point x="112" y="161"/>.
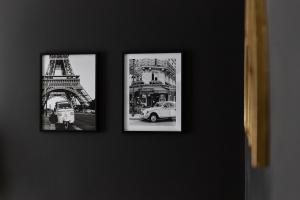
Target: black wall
<point x="207" y="162"/>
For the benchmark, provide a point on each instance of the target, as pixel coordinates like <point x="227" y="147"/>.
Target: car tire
<point x="153" y="117"/>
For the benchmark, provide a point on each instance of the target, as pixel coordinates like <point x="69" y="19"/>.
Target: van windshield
<point x="158" y="104"/>
<point x="64" y="106"/>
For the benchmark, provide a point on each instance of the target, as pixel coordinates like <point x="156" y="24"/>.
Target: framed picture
<point x="68" y="92"/>
<point x="152" y="92"/>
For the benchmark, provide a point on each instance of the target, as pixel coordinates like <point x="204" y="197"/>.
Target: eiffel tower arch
<point x="60" y="80"/>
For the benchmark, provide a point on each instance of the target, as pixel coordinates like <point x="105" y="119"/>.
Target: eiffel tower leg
<point x="45" y="100"/>
<point x="68" y="96"/>
<point x="84" y="96"/>
<point x="71" y="98"/>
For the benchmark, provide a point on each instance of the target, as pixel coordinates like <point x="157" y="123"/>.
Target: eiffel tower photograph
<point x="68" y="92"/>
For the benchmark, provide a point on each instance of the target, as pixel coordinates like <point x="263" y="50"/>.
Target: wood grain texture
<point x="256" y="82"/>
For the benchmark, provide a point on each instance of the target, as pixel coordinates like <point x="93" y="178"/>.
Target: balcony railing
<point x="60" y="82"/>
<point x="61" y="77"/>
<point x="138" y="83"/>
<point x="153" y="82"/>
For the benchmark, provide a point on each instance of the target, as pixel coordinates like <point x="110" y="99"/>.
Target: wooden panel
<point x="256" y="82"/>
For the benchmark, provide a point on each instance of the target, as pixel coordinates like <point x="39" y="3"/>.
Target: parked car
<point x="161" y="110"/>
<point x="64" y="113"/>
<point x="90" y="111"/>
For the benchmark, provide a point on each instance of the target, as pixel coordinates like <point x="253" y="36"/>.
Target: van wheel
<point x="153" y="117"/>
<point x="66" y="125"/>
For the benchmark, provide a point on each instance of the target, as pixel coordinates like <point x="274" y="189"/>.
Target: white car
<point x="161" y="110"/>
<point x="64" y="113"/>
<point x="90" y="111"/>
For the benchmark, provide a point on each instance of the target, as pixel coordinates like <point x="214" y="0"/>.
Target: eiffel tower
<point x="60" y="80"/>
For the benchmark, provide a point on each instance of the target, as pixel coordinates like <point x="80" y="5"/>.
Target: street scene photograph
<point x="68" y="92"/>
<point x="152" y="92"/>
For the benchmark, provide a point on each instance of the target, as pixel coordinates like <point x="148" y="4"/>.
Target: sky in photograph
<point x="82" y="65"/>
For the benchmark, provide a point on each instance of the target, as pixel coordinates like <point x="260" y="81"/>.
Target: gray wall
<point x="207" y="162"/>
<point x="281" y="180"/>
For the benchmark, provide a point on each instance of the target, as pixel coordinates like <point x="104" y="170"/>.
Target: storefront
<point x="148" y="95"/>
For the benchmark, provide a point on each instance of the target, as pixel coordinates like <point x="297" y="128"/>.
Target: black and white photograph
<point x="68" y="92"/>
<point x="152" y="92"/>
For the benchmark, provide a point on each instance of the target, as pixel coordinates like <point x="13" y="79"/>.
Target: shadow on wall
<point x="257" y="180"/>
<point x="2" y="173"/>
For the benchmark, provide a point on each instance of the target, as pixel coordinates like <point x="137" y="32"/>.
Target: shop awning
<point x="153" y="89"/>
<point x="160" y="90"/>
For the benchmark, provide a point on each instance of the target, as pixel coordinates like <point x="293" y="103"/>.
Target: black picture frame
<point x="97" y="57"/>
<point x="181" y="131"/>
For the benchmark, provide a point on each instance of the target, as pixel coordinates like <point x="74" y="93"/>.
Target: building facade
<point x="151" y="81"/>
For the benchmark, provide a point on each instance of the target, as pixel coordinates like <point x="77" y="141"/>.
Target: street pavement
<point x="136" y="122"/>
<point x="83" y="121"/>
